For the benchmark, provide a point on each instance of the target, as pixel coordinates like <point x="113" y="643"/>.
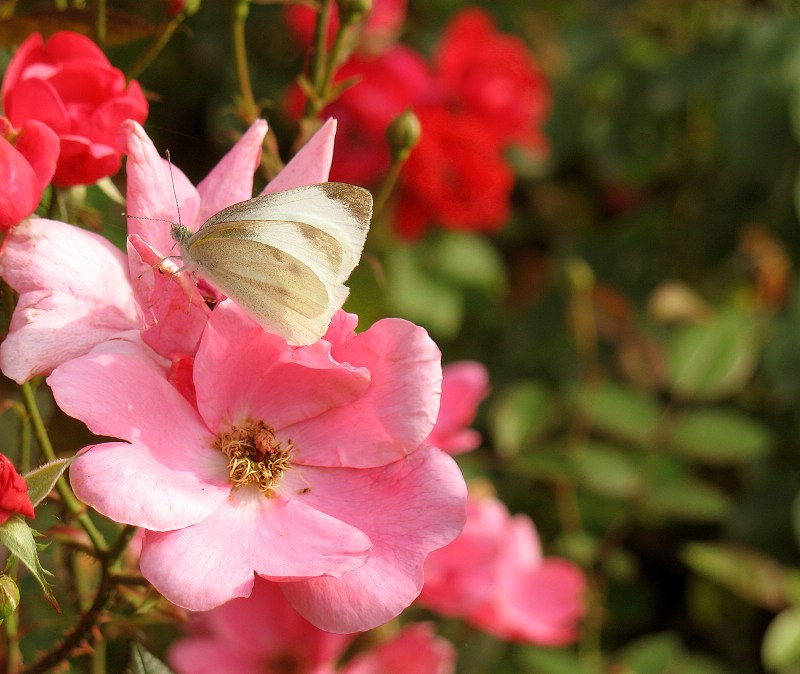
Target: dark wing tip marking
<point x="356" y="200"/>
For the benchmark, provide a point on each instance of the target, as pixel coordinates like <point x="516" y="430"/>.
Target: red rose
<point x="494" y="76"/>
<point x="387" y="85"/>
<point x="27" y="162"/>
<point x="13" y="492"/>
<point x="68" y="84"/>
<point x="456" y="176"/>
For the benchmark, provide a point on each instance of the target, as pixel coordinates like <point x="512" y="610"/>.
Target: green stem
<point x="75" y="639"/>
<point x="249" y="107"/>
<point x="319" y="62"/>
<point x="100" y="23"/>
<point x="167" y="30"/>
<point x="385" y="190"/>
<point x="11" y="629"/>
<point x="74" y="506"/>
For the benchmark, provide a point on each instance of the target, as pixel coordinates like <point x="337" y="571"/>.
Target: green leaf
<point x="41" y="480"/>
<point x="684" y="498"/>
<point x="795" y="513"/>
<point x="553" y="661"/>
<point x="749" y="574"/>
<point x="144" y="662"/>
<point x="781" y="645"/>
<point x="418" y="296"/>
<point x="468" y="260"/>
<point x="518" y="414"/>
<point x="607" y="471"/>
<point x="620" y="412"/>
<point x="714" y="359"/>
<point x="720" y="437"/>
<point x="652" y="654"/>
<point x="17" y="536"/>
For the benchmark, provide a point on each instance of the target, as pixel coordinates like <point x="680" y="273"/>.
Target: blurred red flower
<point x="27" y="162"/>
<point x="388" y="84"/>
<point x="379" y="29"/>
<point x="493" y="75"/>
<point x="456" y="177"/>
<point x="68" y="84"/>
<point x="14" y="497"/>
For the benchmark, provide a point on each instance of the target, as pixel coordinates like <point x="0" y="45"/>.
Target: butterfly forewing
<point x="284" y="257"/>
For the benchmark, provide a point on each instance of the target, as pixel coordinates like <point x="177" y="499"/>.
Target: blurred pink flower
<point x="77" y="290"/>
<point x="302" y="465"/>
<point x="259" y="634"/>
<point x="263" y="634"/>
<point x="495" y="577"/>
<point x="415" y="649"/>
<point x="68" y="84"/>
<point x="464" y="385"/>
<point x="27" y="162"/>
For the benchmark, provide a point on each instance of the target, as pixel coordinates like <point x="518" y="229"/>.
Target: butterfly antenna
<point x="174" y="191"/>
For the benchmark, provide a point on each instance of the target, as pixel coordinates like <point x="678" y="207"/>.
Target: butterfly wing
<point x="287" y="273"/>
<point x="338" y="209"/>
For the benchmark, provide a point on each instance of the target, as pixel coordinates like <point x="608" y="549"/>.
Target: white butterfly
<point x="284" y="257"/>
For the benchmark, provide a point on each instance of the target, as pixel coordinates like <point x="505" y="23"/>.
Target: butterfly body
<point x="284" y="257"/>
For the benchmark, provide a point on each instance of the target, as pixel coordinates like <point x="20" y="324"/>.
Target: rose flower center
<point x="255" y="455"/>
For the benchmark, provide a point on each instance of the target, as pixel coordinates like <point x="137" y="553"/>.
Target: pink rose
<point x="68" y="84"/>
<point x="495" y="576"/>
<point x="14" y="497"/>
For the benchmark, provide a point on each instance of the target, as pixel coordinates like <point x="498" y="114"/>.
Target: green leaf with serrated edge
<point x="17" y="536"/>
<point x="712" y="360"/>
<point x="750" y="574"/>
<point x="144" y="662"/>
<point x="719" y="436"/>
<point x="41" y="480"/>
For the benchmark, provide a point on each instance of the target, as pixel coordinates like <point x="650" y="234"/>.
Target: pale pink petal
<point x="292" y="384"/>
<point x="395" y="414"/>
<point x="231" y="180"/>
<point x="74" y="293"/>
<point x="172" y="311"/>
<point x="310" y="165"/>
<point x="152" y="190"/>
<point x="275" y="538"/>
<point x="169" y="475"/>
<point x="421" y="499"/>
<point x="415" y="649"/>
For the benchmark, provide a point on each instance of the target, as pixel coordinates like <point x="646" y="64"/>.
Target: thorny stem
<point x="90" y="617"/>
<point x="11" y="628"/>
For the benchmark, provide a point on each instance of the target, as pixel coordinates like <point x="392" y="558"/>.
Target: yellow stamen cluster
<point x="255" y="456"/>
